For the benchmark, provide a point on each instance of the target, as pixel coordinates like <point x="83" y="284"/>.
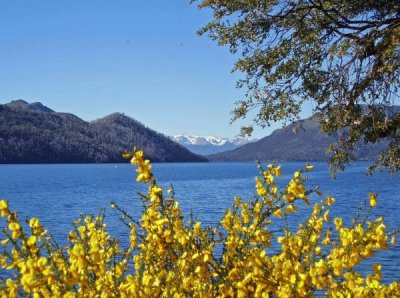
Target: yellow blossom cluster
<point x="170" y="257"/>
<point x="143" y="165"/>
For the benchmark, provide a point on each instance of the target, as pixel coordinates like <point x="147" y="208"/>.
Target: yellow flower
<point x="329" y="201"/>
<point x="14" y="226"/>
<point x="278" y="212"/>
<point x="34" y="222"/>
<point x="197" y="228"/>
<point x="127" y="155"/>
<point x="82" y="231"/>
<point x="28" y="282"/>
<point x="327" y="239"/>
<point x="326" y="215"/>
<point x="4" y="208"/>
<point x="12" y="287"/>
<point x="338" y="222"/>
<point x="72" y="236"/>
<point x="31" y="240"/>
<point x="372" y="199"/>
<point x="291" y="208"/>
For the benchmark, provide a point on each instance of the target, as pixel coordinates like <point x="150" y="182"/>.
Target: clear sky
<point x="139" y="57"/>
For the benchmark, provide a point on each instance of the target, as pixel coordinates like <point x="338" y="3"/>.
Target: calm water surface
<point x="57" y="194"/>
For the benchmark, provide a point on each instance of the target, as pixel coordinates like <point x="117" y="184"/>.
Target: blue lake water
<point x="57" y="194"/>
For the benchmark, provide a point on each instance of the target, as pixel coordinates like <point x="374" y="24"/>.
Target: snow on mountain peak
<point x="186" y="139"/>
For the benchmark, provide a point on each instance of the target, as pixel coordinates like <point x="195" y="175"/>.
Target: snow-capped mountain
<point x="209" y="144"/>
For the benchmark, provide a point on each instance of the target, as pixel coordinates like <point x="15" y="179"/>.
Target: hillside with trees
<point x="33" y="133"/>
<point x="300" y="141"/>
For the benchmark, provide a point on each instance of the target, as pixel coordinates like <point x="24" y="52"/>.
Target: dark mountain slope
<point x="308" y="144"/>
<point x="124" y="132"/>
<point x="33" y="133"/>
<point x="36" y="106"/>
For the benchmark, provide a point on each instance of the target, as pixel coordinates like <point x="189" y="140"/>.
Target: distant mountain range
<point x="209" y="144"/>
<point x="308" y="144"/>
<point x="34" y="133"/>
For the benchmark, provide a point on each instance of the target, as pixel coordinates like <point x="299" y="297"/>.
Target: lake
<point x="57" y="194"/>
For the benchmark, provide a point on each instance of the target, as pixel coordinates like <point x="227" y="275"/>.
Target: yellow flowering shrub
<point x="168" y="257"/>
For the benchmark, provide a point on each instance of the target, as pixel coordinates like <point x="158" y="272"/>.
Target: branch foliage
<point x="342" y="56"/>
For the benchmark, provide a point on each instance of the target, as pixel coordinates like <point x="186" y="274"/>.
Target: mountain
<point x="209" y="144"/>
<point x="34" y="133"/>
<point x="308" y="144"/>
<point x="22" y="104"/>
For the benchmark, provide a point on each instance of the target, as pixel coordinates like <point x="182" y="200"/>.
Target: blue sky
<point x="142" y="58"/>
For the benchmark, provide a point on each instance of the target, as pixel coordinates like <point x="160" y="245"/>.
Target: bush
<point x="173" y="258"/>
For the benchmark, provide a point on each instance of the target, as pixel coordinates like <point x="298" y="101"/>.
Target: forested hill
<point x="308" y="144"/>
<point x="33" y="133"/>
